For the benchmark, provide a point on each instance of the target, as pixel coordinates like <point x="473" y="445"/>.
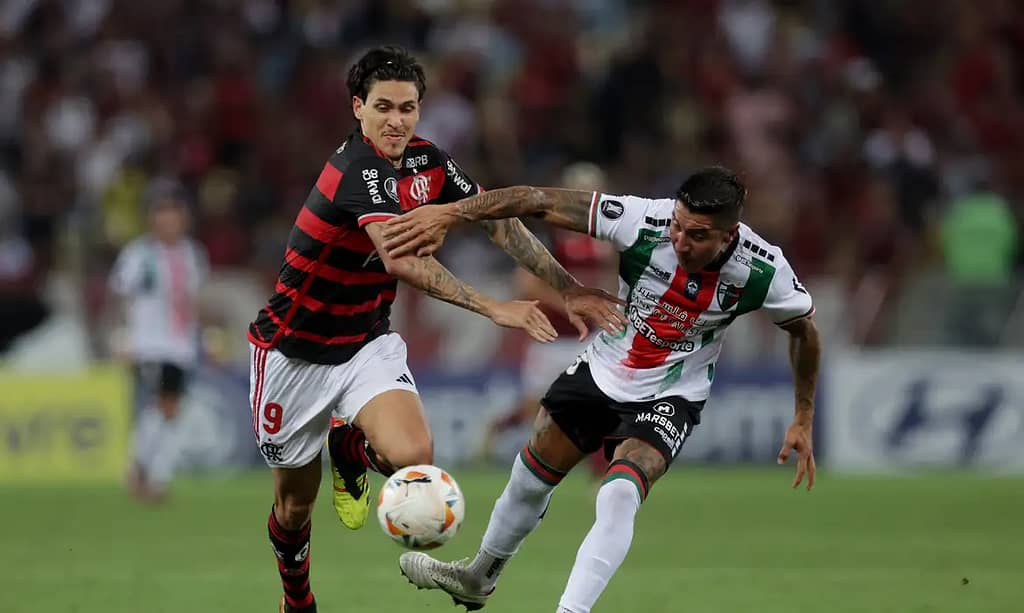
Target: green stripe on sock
<point x="540" y="460"/>
<point x="627" y="477"/>
<point x="538" y="469"/>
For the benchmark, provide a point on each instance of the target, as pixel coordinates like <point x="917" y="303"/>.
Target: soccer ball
<point x="421" y="507"/>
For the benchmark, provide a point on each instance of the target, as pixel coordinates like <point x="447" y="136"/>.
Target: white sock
<point x="147" y="435"/>
<point x="605" y="547"/>
<point x="164" y="457"/>
<point x="516" y="513"/>
<point x="157" y="446"/>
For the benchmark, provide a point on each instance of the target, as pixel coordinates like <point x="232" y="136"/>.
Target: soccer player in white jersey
<point x="157" y="278"/>
<point x="688" y="268"/>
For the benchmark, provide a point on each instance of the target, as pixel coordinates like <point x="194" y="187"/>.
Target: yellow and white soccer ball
<point x="421" y="507"/>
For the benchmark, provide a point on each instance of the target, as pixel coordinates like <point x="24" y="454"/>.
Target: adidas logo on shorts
<point x="405" y="378"/>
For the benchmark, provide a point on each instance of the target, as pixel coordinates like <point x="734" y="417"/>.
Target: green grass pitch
<point x="725" y="540"/>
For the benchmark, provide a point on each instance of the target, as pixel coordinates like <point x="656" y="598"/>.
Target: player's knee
<point x="644" y="457"/>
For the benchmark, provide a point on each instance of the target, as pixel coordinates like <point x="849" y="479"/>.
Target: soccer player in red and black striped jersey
<point x="323" y="346"/>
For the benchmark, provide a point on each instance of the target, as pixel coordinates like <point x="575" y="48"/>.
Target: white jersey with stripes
<point x="160" y="285"/>
<point x="678" y="320"/>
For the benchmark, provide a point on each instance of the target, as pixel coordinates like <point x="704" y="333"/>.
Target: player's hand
<point x="524" y="314"/>
<point x="420" y="231"/>
<point x="597" y="306"/>
<point x="798" y="438"/>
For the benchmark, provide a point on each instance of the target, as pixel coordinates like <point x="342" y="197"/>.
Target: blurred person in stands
<point x="980" y="245"/>
<point x="157" y="279"/>
<point x="590" y="261"/>
<point x="21" y="274"/>
<point x="323" y="348"/>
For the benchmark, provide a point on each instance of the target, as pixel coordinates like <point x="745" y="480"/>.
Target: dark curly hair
<point x="715" y="191"/>
<point x="387" y="63"/>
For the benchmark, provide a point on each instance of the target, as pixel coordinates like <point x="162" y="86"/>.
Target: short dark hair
<point x="387" y="63"/>
<point x="163" y="191"/>
<point x="715" y="191"/>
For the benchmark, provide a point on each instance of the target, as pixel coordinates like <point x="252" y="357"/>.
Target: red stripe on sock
<point x="300" y="604"/>
<point x="287" y="536"/>
<point x="303" y="568"/>
<point x="538" y="467"/>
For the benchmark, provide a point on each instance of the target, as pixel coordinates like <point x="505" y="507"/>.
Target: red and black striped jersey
<point x="333" y="294"/>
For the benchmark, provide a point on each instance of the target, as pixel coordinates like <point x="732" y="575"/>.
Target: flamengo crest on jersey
<point x="677" y="321"/>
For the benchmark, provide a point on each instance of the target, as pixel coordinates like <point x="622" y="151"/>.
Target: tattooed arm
<point x="422" y="230"/>
<point x="566" y="208"/>
<point x="429" y="276"/>
<point x="804" y="357"/>
<point x="523" y="247"/>
<point x="581" y="304"/>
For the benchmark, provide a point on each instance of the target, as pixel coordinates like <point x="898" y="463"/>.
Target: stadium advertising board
<point x="893" y="410"/>
<point x="63" y="426"/>
<point x="744" y="421"/>
<point x="461" y="407"/>
<point x="746" y="417"/>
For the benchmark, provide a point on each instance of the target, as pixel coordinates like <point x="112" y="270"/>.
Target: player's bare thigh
<point x="397" y="428"/>
<point x="649" y="459"/>
<point x="552" y="445"/>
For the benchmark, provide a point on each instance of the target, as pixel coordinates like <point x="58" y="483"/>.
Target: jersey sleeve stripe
<point x="327" y="183"/>
<point x="592" y="218"/>
<point x="797" y="318"/>
<point x="374" y="217"/>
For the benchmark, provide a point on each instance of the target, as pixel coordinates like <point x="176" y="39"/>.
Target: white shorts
<point x="543" y="362"/>
<point x="293" y="400"/>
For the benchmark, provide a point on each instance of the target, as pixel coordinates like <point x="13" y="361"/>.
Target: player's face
<point x="696" y="238"/>
<point x="169" y="221"/>
<point x="389" y="115"/>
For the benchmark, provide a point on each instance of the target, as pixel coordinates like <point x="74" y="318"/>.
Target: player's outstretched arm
<point x="422" y="230"/>
<point x="582" y="304"/>
<point x="804" y="357"/>
<point x="429" y="276"/>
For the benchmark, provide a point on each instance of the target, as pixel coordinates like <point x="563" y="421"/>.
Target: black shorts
<point x="592" y="420"/>
<point x="154" y="379"/>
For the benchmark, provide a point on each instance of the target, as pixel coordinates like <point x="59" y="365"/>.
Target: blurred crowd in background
<point x="882" y="142"/>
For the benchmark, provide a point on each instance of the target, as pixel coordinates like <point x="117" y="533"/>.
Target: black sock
<point x="292" y="550"/>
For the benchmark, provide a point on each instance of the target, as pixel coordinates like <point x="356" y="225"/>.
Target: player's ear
<point x="731" y="234"/>
<point x="357" y="107"/>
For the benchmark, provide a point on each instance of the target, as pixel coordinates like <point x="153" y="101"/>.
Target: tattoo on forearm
<point x="517" y="241"/>
<point x="499" y="204"/>
<point x="567" y="208"/>
<point x="804" y="355"/>
<point x="572" y="206"/>
<point x="438" y="282"/>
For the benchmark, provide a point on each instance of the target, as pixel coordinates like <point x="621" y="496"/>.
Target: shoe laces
<point x="454" y="571"/>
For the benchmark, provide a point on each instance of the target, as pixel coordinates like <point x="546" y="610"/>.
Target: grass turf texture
<point x="729" y="540"/>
